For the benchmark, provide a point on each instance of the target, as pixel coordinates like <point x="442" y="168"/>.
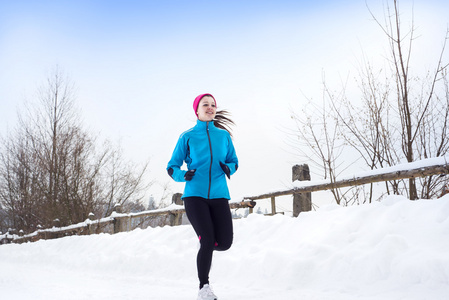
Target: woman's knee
<point x="223" y="245"/>
<point x="207" y="242"/>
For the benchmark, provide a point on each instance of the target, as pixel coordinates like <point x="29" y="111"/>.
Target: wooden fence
<point x="117" y="222"/>
<point x="302" y="200"/>
<point x="172" y="215"/>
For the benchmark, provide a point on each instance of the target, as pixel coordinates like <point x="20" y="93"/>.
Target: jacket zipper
<point x="211" y="159"/>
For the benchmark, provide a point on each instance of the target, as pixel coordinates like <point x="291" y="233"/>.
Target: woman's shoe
<point x="206" y="293"/>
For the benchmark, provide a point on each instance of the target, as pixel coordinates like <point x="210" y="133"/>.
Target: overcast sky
<point x="138" y="65"/>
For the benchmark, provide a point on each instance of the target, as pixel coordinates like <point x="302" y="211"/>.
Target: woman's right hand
<point x="189" y="174"/>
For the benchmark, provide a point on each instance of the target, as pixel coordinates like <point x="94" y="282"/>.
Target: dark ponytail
<point x="223" y="121"/>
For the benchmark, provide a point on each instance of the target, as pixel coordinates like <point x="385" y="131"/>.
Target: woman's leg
<point x="199" y="215"/>
<point x="212" y="221"/>
<point x="222" y="220"/>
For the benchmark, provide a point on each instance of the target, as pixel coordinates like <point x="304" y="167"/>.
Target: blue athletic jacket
<point x="202" y="148"/>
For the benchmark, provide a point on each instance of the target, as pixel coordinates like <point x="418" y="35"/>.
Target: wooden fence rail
<point x="302" y="191"/>
<point x="117" y="222"/>
<point x="396" y="175"/>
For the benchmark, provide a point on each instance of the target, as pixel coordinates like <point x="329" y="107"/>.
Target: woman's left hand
<point x="226" y="170"/>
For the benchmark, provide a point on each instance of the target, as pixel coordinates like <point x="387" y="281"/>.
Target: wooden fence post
<point x="176" y="199"/>
<point x="90" y="225"/>
<point x="117" y="220"/>
<point x="301" y="201"/>
<point x="176" y="219"/>
<point x="273" y="205"/>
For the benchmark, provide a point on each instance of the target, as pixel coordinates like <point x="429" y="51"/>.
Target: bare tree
<point x="123" y="183"/>
<point x="20" y="181"/>
<point x="51" y="168"/>
<point x="320" y="141"/>
<point x="412" y="109"/>
<point x="402" y="116"/>
<point x="432" y="137"/>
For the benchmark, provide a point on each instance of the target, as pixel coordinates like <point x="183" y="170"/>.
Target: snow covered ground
<point x="395" y="249"/>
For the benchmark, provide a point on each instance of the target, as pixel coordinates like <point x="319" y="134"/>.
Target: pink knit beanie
<point x="198" y="99"/>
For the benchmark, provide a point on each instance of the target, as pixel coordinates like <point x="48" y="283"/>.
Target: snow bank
<point x="396" y="249"/>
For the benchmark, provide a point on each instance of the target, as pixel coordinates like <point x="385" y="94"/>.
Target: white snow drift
<point x="395" y="249"/>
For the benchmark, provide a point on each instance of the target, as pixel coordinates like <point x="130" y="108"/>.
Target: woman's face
<point x="206" y="109"/>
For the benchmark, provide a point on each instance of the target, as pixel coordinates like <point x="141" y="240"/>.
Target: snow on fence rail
<point x="172" y="215"/>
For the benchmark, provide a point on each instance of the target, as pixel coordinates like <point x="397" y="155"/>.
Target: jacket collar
<point x="204" y="125"/>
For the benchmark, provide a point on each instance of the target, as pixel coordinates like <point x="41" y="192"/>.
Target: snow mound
<point x="395" y="249"/>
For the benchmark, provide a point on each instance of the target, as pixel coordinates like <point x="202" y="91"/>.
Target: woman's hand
<point x="189" y="174"/>
<point x="226" y="170"/>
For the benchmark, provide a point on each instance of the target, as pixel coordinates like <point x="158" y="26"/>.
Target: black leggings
<point x="212" y="221"/>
